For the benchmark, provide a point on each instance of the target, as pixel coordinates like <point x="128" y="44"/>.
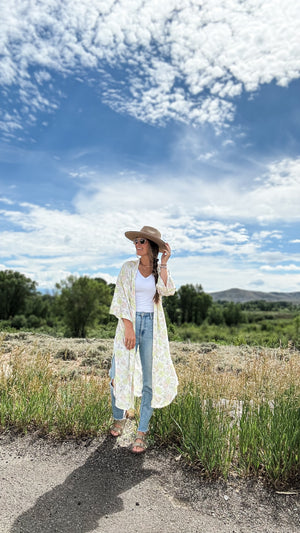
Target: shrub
<point x="19" y="322"/>
<point x="66" y="354"/>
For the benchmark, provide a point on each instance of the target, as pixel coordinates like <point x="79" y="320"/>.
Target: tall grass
<point x="246" y="422"/>
<point x="226" y="437"/>
<point x="200" y="430"/>
<point x="237" y="416"/>
<point x="33" y="396"/>
<point x="269" y="438"/>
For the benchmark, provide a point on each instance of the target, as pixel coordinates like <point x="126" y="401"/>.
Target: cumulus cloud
<point x="5" y="200"/>
<point x="283" y="268"/>
<point x="54" y="243"/>
<point x="220" y="273"/>
<point x="181" y="60"/>
<point x="274" y="196"/>
<point x="204" y="220"/>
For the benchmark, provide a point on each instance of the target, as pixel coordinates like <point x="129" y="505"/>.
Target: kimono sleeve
<point x="166" y="290"/>
<point x="120" y="306"/>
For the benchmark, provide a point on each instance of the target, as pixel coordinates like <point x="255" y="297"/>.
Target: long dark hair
<point x="153" y="253"/>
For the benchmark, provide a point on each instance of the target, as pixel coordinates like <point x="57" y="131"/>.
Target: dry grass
<point x="68" y="357"/>
<point x="231" y="372"/>
<point x="237" y="372"/>
<point x="237" y="407"/>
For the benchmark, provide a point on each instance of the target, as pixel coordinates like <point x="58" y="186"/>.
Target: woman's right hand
<point x="129" y="336"/>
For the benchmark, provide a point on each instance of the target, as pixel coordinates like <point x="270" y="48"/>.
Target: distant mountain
<point x="241" y="296"/>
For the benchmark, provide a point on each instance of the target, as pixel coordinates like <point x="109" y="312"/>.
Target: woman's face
<point x="141" y="246"/>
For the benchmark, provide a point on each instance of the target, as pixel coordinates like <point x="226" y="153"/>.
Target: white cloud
<point x="274" y="197"/>
<point x="51" y="244"/>
<point x="10" y="123"/>
<point x="5" y="200"/>
<point x="281" y="268"/>
<point x="279" y="195"/>
<point x="267" y="236"/>
<point x="182" y="60"/>
<point x="206" y="157"/>
<point x="199" y="214"/>
<point x="204" y="221"/>
<point x="216" y="273"/>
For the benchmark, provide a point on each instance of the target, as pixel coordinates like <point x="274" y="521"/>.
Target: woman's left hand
<point x="166" y="254"/>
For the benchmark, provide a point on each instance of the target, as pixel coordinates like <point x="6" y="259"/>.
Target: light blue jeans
<point x="144" y="341"/>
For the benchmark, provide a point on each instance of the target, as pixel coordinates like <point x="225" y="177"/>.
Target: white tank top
<point x="144" y="293"/>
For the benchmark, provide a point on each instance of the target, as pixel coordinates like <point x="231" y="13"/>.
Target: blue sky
<point x="183" y="115"/>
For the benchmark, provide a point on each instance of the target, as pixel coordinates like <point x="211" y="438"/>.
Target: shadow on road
<point x="89" y="493"/>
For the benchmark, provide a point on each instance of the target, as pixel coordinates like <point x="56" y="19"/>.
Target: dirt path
<point x="100" y="487"/>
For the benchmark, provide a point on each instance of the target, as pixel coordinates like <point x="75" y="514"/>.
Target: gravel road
<point x="100" y="486"/>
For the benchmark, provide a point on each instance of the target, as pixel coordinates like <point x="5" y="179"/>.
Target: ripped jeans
<point x="144" y="341"/>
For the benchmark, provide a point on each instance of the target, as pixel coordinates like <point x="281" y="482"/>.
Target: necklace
<point x="145" y="266"/>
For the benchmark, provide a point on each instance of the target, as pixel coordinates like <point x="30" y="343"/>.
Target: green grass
<point x="269" y="439"/>
<point x="261" y="328"/>
<point x="264" y="441"/>
<point x="268" y="333"/>
<point x="222" y="422"/>
<point x="32" y="396"/>
<point x="201" y="431"/>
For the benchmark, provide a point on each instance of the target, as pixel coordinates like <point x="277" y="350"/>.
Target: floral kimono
<point x="128" y="370"/>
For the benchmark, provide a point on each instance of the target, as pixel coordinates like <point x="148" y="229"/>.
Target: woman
<point x="142" y="364"/>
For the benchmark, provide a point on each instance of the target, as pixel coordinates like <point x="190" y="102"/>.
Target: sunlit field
<point x="237" y="410"/>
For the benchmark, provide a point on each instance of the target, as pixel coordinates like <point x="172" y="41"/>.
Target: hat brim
<point x="131" y="235"/>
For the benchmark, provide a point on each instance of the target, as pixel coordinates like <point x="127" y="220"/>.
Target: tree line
<point x="76" y="304"/>
<point x="191" y="305"/>
<point x="80" y="303"/>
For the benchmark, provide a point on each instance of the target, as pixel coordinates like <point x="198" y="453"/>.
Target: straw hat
<point x="147" y="232"/>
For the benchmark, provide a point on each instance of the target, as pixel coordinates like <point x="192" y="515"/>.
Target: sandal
<point x="117" y="427"/>
<point x="140" y="442"/>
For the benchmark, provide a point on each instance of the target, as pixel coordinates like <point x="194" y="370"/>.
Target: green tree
<point x="233" y="314"/>
<point x="15" y="291"/>
<point x="19" y="322"/>
<point x="189" y="304"/>
<point x="40" y="309"/>
<point x="82" y="301"/>
<point x="297" y="327"/>
<point x="194" y="303"/>
<point x="172" y="308"/>
<point x="215" y="315"/>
